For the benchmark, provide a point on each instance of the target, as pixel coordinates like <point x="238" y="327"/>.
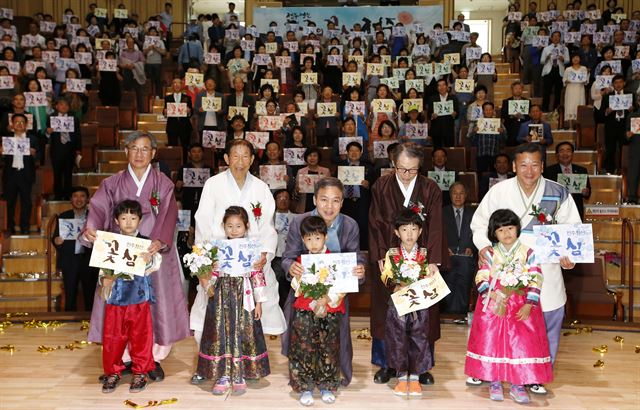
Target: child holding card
<point x="232" y="348"/>
<point x="407" y="337"/>
<point x="314" y="345"/>
<point x="127" y="314"/>
<point x="508" y="340"/>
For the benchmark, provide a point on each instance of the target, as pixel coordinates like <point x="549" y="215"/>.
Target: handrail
<point x="626" y="260"/>
<point x="50" y="228"/>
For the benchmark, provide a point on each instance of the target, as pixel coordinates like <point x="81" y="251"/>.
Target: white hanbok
<point x="505" y="195"/>
<point x="220" y="192"/>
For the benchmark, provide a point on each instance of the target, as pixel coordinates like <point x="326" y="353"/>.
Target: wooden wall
<point x="144" y="8"/>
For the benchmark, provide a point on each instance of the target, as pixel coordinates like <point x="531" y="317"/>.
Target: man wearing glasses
<point x="389" y="195"/>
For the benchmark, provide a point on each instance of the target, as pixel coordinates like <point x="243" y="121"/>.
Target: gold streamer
<point x="5" y="324"/>
<point x="47" y="349"/>
<point x="150" y="403"/>
<point x="8" y="348"/>
<point x="40" y="324"/>
<point x="579" y="330"/>
<point x="84" y="325"/>
<point x="599" y="363"/>
<point x="637" y="349"/>
<point x="16" y="314"/>
<point x="363" y="334"/>
<point x="602" y="349"/>
<point x="618" y="339"/>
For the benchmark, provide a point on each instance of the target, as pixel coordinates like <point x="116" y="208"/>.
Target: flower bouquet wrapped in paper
<point x="514" y="278"/>
<point x="201" y="262"/>
<point x="315" y="284"/>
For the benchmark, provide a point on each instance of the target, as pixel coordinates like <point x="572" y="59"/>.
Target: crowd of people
<point x="274" y="102"/>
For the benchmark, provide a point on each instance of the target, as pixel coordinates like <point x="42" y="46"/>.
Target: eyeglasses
<point x="410" y="171"/>
<point x="143" y="150"/>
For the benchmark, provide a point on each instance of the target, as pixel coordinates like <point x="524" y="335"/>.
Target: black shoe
<point x="157" y="374"/>
<point x="138" y="383"/>
<point x="196" y="379"/>
<point x="426" y="378"/>
<point x="110" y="383"/>
<point x="126" y="371"/>
<point x="383" y="375"/>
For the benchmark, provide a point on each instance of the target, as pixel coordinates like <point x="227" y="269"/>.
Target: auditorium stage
<point x="67" y="379"/>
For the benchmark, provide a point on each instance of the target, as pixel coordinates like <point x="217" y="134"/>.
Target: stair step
<point x="112" y="167"/>
<point x="30" y="243"/>
<point x="16" y="264"/>
<point x="91" y="178"/>
<point x="152" y="126"/>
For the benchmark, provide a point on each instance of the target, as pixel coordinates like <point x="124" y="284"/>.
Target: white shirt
<point x="505" y="195"/>
<point x="176" y="97"/>
<point x="406" y="192"/>
<point x="18" y="159"/>
<point x="548" y="63"/>
<point x="139" y="183"/>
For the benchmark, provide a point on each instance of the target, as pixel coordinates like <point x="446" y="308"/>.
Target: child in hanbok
<point x="407" y="337"/>
<point x="233" y="348"/>
<point x="508" y="340"/>
<point x="314" y="349"/>
<point x="127" y="312"/>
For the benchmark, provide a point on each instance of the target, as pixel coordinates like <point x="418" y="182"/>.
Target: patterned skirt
<point x="232" y="343"/>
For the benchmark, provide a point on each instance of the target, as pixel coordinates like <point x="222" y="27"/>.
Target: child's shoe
<point x="239" y="387"/>
<point x="222" y="387"/>
<point x="519" y="394"/>
<point x="110" y="383"/>
<point x="537" y="389"/>
<point x="495" y="391"/>
<point x="197" y="379"/>
<point x="138" y="383"/>
<point x="402" y="388"/>
<point x="327" y="396"/>
<point x="414" y="388"/>
<point x="306" y="398"/>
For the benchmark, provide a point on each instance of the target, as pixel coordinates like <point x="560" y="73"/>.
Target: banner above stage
<point x="345" y="17"/>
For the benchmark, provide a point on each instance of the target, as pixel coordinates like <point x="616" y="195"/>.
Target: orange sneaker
<point x="414" y="388"/>
<point x="401" y="388"/>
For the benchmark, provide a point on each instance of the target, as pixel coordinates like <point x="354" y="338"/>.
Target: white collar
<point x="443" y="169"/>
<point x="232" y="181"/>
<point x="406" y="191"/>
<point x="23" y="135"/>
<point x="139" y="183"/>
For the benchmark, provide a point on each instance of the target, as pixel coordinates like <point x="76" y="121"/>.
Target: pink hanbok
<point x="501" y="347"/>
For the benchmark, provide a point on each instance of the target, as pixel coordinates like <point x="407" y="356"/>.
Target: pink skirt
<point x="503" y="348"/>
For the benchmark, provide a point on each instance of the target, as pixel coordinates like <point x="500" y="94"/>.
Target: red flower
<point x="257" y="212"/>
<point x="415" y="209"/>
<point x="154" y="201"/>
<point x="542" y="218"/>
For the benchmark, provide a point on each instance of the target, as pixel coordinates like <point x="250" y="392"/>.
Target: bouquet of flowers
<point x="201" y="260"/>
<point x="315" y="284"/>
<point x="514" y="278"/>
<point x="406" y="272"/>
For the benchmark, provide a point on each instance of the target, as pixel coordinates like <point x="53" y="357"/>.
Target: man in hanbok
<point x="389" y="195"/>
<point x="154" y="191"/>
<point x="533" y="198"/>
<point x="236" y="186"/>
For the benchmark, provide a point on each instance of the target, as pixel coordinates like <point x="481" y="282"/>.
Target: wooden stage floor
<point x="65" y="379"/>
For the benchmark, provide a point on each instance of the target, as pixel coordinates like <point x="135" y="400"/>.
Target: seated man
<point x="502" y="166"/>
<point x="564" y="154"/>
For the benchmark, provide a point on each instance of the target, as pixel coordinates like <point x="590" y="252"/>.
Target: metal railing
<point x="626" y="261"/>
<point x="51" y="224"/>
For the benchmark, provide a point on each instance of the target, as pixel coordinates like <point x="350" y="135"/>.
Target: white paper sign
<point x="307" y="182"/>
<point x="351" y="175"/>
<point x="194" y="80"/>
<point x="444" y="179"/>
<point x="294" y="156"/>
<point x="340" y="267"/>
<point x="107" y="65"/>
<point x="70" y="228"/>
<point x="62" y="124"/>
<point x="420" y="295"/>
<point x="214" y="139"/>
<point x="441" y="108"/>
<point x="344" y="141"/>
<point x="258" y="139"/>
<point x="326" y="109"/>
<point x="36" y="99"/>
<point x="620" y="101"/>
<point x="386" y="105"/>
<point x="485" y="68"/>
<point x="211" y="103"/>
<point x="269" y="122"/>
<point x="554" y="241"/>
<point x="176" y="110"/>
<point x="212" y="58"/>
<point x="274" y="176"/>
<point x="237" y="256"/>
<point x="464" y="86"/>
<point x="380" y="148"/>
<point x="76" y="85"/>
<point x="120" y="253"/>
<point x="184" y="220"/>
<point x="575" y="183"/>
<point x="488" y="125"/>
<point x="14" y="145"/>
<point x="635" y="125"/>
<point x="46" y="85"/>
<point x="195" y="177"/>
<point x="416" y="131"/>
<point x="30" y="66"/>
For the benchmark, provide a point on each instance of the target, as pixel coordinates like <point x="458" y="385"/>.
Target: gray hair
<point x="328" y="182"/>
<point x="136" y="135"/>
<point x="458" y="183"/>
<point x="410" y="149"/>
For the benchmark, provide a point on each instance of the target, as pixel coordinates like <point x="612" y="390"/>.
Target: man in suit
<point x="442" y="128"/>
<point x="239" y="98"/>
<point x="64" y="148"/>
<point x="512" y="122"/>
<point x="439" y="164"/>
<point x="72" y="259"/>
<point x="564" y="155"/>
<point x="501" y="165"/>
<point x="465" y="27"/>
<point x="459" y="278"/>
<point x="357" y="198"/>
<point x="209" y="120"/>
<point x="615" y="124"/>
<point x="18" y="176"/>
<point x="179" y="128"/>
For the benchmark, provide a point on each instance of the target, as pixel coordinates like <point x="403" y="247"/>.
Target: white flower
<point x="309" y="279"/>
<point x="207" y="246"/>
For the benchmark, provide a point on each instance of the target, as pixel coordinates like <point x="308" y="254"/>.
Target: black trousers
<point x="17" y="184"/>
<point x="63" y="163"/>
<point x="484" y="163"/>
<point x="154" y="74"/>
<point x="129" y="83"/>
<point x="459" y="279"/>
<point x="552" y="82"/>
<point x="284" y="285"/>
<point x="633" y="173"/>
<point x="614" y="132"/>
<point x="181" y="137"/>
<point x="76" y="273"/>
